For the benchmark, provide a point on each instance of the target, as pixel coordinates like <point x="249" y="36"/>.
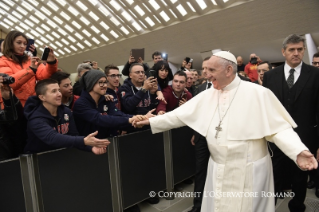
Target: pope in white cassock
<point x="237" y="118"/>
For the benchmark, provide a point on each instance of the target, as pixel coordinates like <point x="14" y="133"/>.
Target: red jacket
<point x="172" y="101"/>
<point x="25" y="79"/>
<point x="251" y="71"/>
<point x="75" y="97"/>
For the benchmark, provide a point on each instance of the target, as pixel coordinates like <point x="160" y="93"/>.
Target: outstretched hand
<point x="160" y="96"/>
<point x="99" y="150"/>
<point x="306" y="161"/>
<point x="141" y="124"/>
<point x="109" y="97"/>
<point x="137" y="118"/>
<point x="90" y="140"/>
<point x="149" y="114"/>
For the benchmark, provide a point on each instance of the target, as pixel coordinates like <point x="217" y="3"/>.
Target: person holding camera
<point x="12" y="122"/>
<point x="137" y="95"/>
<point x="26" y="70"/>
<point x="251" y="67"/>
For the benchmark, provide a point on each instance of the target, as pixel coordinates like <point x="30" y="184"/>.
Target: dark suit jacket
<point x="200" y="88"/>
<point x="305" y="107"/>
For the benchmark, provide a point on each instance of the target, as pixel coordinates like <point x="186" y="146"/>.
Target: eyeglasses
<point x="139" y="72"/>
<point x="115" y="75"/>
<point x="101" y="84"/>
<point x="315" y="63"/>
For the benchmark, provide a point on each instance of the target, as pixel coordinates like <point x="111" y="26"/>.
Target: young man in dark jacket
<point x="66" y="88"/>
<point x="51" y="125"/>
<point x="93" y="112"/>
<point x="113" y="77"/>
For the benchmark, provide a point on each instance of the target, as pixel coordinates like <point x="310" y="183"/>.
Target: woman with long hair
<point x="24" y="69"/>
<point x="163" y="73"/>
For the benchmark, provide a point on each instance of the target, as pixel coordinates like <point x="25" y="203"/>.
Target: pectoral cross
<point x="218" y="128"/>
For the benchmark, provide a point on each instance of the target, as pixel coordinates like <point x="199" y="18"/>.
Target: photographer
<point x="12" y="132"/>
<point x="26" y="70"/>
<point x="251" y="67"/>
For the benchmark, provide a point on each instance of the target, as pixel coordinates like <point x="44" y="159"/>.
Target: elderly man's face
<point x="220" y="75"/>
<point x="190" y="79"/>
<point x="239" y="61"/>
<point x="83" y="71"/>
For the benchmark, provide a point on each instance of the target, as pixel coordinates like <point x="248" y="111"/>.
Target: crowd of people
<point x="42" y="110"/>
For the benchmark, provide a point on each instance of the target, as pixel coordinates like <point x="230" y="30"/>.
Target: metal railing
<point x="74" y="180"/>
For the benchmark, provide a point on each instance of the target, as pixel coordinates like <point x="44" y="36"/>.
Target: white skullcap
<point x="226" y="55"/>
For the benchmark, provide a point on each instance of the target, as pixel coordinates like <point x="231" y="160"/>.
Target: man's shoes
<point x="311" y="184"/>
<point x="317" y="192"/>
<point x="188" y="181"/>
<point x="195" y="210"/>
<point x="153" y="200"/>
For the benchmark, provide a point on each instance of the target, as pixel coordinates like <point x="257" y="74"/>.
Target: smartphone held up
<point x="45" y="53"/>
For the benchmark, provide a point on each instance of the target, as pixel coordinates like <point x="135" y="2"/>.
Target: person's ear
<point x="41" y="97"/>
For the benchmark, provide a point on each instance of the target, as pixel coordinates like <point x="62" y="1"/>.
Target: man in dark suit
<point x="296" y="86"/>
<point x="201" y="150"/>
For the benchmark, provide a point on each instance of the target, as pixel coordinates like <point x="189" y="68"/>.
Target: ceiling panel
<point x="78" y="26"/>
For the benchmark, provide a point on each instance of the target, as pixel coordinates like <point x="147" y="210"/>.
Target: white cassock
<point x="239" y="175"/>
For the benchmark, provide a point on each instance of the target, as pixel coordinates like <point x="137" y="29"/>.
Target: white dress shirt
<point x="296" y="72"/>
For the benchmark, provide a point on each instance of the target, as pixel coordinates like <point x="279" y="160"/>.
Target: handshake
<point x="138" y="121"/>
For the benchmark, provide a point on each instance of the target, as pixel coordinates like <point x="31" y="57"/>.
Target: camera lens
<point x="8" y="80"/>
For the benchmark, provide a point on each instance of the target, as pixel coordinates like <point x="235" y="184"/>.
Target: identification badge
<point x="66" y="117"/>
<point x="105" y="108"/>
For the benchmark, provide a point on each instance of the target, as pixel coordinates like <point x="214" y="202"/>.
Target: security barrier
<point x="11" y="189"/>
<point x="74" y="180"/>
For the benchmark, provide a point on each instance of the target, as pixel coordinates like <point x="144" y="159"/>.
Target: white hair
<point x="226" y="63"/>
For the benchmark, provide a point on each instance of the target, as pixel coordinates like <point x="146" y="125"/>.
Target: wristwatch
<point x="143" y="90"/>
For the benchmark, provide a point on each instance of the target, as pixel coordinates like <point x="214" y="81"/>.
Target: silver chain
<point x="221" y="119"/>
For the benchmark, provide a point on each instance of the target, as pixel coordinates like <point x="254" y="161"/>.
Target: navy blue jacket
<point x="116" y="98"/>
<point x="104" y="117"/>
<point x="135" y="101"/>
<point x="46" y="132"/>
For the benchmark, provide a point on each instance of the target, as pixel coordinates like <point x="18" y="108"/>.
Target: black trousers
<point x="281" y="163"/>
<point x="201" y="155"/>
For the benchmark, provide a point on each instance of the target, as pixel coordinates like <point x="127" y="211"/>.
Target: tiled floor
<point x="312" y="203"/>
<point x="179" y="204"/>
<point x="185" y="204"/>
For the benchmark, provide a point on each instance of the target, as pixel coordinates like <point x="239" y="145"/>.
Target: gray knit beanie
<point x="90" y="78"/>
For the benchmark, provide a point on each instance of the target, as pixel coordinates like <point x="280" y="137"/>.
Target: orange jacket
<point x="25" y="79"/>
